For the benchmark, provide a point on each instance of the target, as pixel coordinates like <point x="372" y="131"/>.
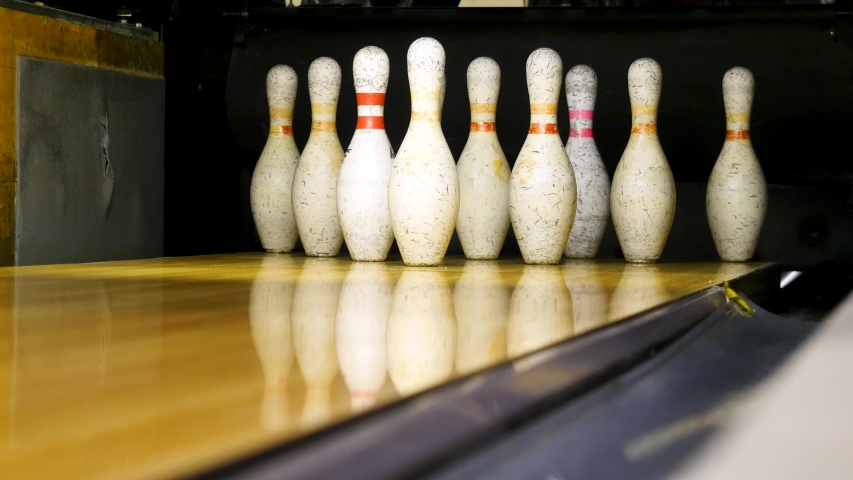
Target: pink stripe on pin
<point x="580" y="132"/>
<point x="580" y="114"/>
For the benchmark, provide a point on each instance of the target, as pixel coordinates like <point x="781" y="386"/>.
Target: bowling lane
<point x="167" y="367"/>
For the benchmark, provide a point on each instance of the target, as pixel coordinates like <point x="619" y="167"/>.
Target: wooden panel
<point x="119" y="52"/>
<point x="167" y="367"/>
<point x="42" y="37"/>
<point x="8" y="153"/>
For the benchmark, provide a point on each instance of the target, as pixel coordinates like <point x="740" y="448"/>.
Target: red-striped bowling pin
<point x="736" y="199"/>
<point x="483" y="170"/>
<point x="642" y="198"/>
<point x="424" y="192"/>
<point x="272" y="179"/>
<point x="593" y="183"/>
<point x="366" y="171"/>
<point x="315" y="200"/>
<point x="542" y="190"/>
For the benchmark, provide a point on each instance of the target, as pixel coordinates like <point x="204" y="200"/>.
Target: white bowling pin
<point x="366" y="171"/>
<point x="424" y="190"/>
<point x="315" y="305"/>
<point x="736" y="199"/>
<point x="481" y="302"/>
<point x="272" y="180"/>
<point x="360" y="325"/>
<point x="315" y="200"/>
<point x="269" y="316"/>
<point x="585" y="280"/>
<point x="542" y="190"/>
<point x="642" y="198"/>
<point x="591" y="176"/>
<point x="483" y="170"/>
<point x="640" y="288"/>
<point x="540" y="311"/>
<point x="421" y="332"/>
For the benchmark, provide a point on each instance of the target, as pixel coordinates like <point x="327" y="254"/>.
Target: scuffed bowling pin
<point x="366" y="171"/>
<point x="483" y="170"/>
<point x="315" y="199"/>
<point x="736" y="199"/>
<point x="272" y="179"/>
<point x="360" y="325"/>
<point x="481" y="302"/>
<point x="542" y="190"/>
<point x="421" y="332"/>
<point x="593" y="183"/>
<point x="642" y="198"/>
<point x="424" y="190"/>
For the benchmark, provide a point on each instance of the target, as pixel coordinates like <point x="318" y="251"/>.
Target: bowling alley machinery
<point x="448" y="239"/>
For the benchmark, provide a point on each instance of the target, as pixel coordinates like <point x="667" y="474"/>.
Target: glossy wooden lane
<point x="166" y="367"/>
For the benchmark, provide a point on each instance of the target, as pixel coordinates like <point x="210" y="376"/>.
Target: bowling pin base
<point x="483" y="257"/>
<point x="735" y="260"/>
<point x="641" y="260"/>
<point x="278" y="250"/>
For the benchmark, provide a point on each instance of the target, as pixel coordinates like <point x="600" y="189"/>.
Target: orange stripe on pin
<point x="737" y="134"/>
<point x="283" y="129"/>
<point x="547" y="128"/>
<point x="324" y="127"/>
<point x="482" y="126"/>
<point x="543" y="108"/>
<point x="644" y="128"/>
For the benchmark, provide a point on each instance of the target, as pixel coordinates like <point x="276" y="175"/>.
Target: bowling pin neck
<point x="371" y="110"/>
<point x="543" y="118"/>
<point x="580" y="123"/>
<point x="644" y="119"/>
<point x="323" y="117"/>
<point x="426" y="108"/>
<point x="324" y="88"/>
<point x="738" y="92"/>
<point x="483" y="117"/>
<point x="281" y="122"/>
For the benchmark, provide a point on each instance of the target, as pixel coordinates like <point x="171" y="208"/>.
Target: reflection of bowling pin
<point x="363" y="309"/>
<point x="366" y="171"/>
<point x="424" y="190"/>
<point x="483" y="170"/>
<point x="421" y="332"/>
<point x="590" y="173"/>
<point x="642" y="198"/>
<point x="737" y="192"/>
<point x="272" y="179"/>
<point x="315" y="200"/>
<point x="315" y="304"/>
<point x="640" y="288"/>
<point x="481" y="301"/>
<point x="269" y="314"/>
<point x="540" y="311"/>
<point x="590" y="297"/>
<point x="542" y="190"/>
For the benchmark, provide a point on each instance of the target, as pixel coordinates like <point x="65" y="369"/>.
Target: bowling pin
<point x="366" y="171"/>
<point x="360" y="325"/>
<point x="642" y="197"/>
<point x="542" y="190"/>
<point x="483" y="170"/>
<point x="424" y="190"/>
<point x="540" y="310"/>
<point x="593" y="182"/>
<point x="315" y="305"/>
<point x="269" y="316"/>
<point x="272" y="180"/>
<point x="421" y="335"/>
<point x="590" y="295"/>
<point x="736" y="199"/>
<point x="315" y="200"/>
<point x="481" y="302"/>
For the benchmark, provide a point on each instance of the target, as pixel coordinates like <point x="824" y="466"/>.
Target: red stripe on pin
<point x="482" y="126"/>
<point x="737" y="134"/>
<point x="370" y="123"/>
<point x="580" y="133"/>
<point x="580" y="114"/>
<point x="368" y="99"/>
<point x="543" y="128"/>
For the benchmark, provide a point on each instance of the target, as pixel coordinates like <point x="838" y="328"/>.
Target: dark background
<point x="800" y="56"/>
<point x="218" y="53"/>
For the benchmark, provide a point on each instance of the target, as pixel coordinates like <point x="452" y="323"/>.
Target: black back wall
<point x="801" y="59"/>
